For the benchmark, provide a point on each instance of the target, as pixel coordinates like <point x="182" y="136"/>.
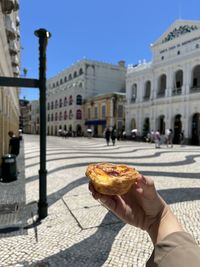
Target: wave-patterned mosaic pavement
<point x="78" y="230"/>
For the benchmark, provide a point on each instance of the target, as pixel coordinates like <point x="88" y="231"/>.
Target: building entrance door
<point x="177" y="129"/>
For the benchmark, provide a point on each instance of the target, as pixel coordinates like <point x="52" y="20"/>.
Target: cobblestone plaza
<point x="79" y="231"/>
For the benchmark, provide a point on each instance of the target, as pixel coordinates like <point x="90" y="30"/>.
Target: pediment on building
<point x="177" y="30"/>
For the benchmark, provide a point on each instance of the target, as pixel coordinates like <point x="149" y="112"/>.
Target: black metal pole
<point x="43" y="36"/>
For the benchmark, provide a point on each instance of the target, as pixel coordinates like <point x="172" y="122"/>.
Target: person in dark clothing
<point x="107" y="136"/>
<point x="144" y="208"/>
<point x="14" y="144"/>
<point x="113" y="135"/>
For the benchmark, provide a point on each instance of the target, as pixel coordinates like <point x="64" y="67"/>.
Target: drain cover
<point x="8" y="208"/>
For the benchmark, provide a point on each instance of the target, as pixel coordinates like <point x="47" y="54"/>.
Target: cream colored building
<point x="165" y="93"/>
<point x="9" y="66"/>
<point x="105" y="110"/>
<point x="67" y="91"/>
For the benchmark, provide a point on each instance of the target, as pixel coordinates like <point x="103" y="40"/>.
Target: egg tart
<point x="112" y="179"/>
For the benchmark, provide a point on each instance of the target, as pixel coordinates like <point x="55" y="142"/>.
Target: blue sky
<point x="103" y="30"/>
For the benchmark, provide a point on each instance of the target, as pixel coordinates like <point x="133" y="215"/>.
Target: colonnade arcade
<point x="175" y="82"/>
<point x="177" y="127"/>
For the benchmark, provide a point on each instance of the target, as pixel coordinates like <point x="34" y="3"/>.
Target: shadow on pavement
<point x="94" y="250"/>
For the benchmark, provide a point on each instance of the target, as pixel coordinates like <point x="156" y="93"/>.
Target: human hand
<point x="142" y="207"/>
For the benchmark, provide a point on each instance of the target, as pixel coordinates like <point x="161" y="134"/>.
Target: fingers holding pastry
<point x="108" y="201"/>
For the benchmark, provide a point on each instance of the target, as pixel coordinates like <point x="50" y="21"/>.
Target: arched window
<point x="134" y="92"/>
<point x="75" y="74"/>
<point x="147" y="92"/>
<point x="162" y="84"/>
<point x="178" y="83"/>
<point x="79" y="100"/>
<point x="196" y="77"/>
<point x="70" y="114"/>
<point x="56" y="103"/>
<point x="78" y="114"/>
<point x="80" y="85"/>
<point x="80" y="71"/>
<point x="179" y="79"/>
<point x="56" y="116"/>
<point x="65" y="101"/>
<point x="52" y="105"/>
<point x="61" y="81"/>
<point x="65" y="115"/>
<point x="65" y="79"/>
<point x="57" y="83"/>
<point x="60" y="115"/>
<point x="70" y="77"/>
<point x="70" y="100"/>
<point x="60" y="103"/>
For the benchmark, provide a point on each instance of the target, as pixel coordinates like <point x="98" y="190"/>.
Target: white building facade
<point x="67" y="91"/>
<point x="165" y="93"/>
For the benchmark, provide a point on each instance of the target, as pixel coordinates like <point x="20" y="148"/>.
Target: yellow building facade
<point x="9" y="66"/>
<point x="106" y="110"/>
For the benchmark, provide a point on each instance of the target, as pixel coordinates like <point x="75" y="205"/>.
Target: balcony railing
<point x="194" y="89"/>
<point x="15" y="61"/>
<point x="146" y="97"/>
<point x="133" y="99"/>
<point x="13" y="48"/>
<point x="177" y="91"/>
<point x="161" y="94"/>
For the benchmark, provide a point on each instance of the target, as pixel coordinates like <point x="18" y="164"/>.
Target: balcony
<point x="16" y="5"/>
<point x="177" y="91"/>
<point x="15" y="61"/>
<point x="13" y="48"/>
<point x="18" y="33"/>
<point x="16" y="71"/>
<point x="133" y="99"/>
<point x="161" y="94"/>
<point x="194" y="89"/>
<point x="146" y="98"/>
<point x="7" y="6"/>
<point x="10" y="28"/>
<point x="17" y="21"/>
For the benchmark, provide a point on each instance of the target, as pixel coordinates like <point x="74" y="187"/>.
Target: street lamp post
<point x="43" y="36"/>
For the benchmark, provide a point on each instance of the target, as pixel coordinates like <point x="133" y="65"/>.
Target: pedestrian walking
<point x="157" y="139"/>
<point x="152" y="136"/>
<point x="169" y="138"/>
<point x="124" y="135"/>
<point x="107" y="136"/>
<point x="14" y="144"/>
<point x="113" y="135"/>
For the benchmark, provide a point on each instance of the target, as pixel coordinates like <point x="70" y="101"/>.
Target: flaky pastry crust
<point x="112" y="179"/>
